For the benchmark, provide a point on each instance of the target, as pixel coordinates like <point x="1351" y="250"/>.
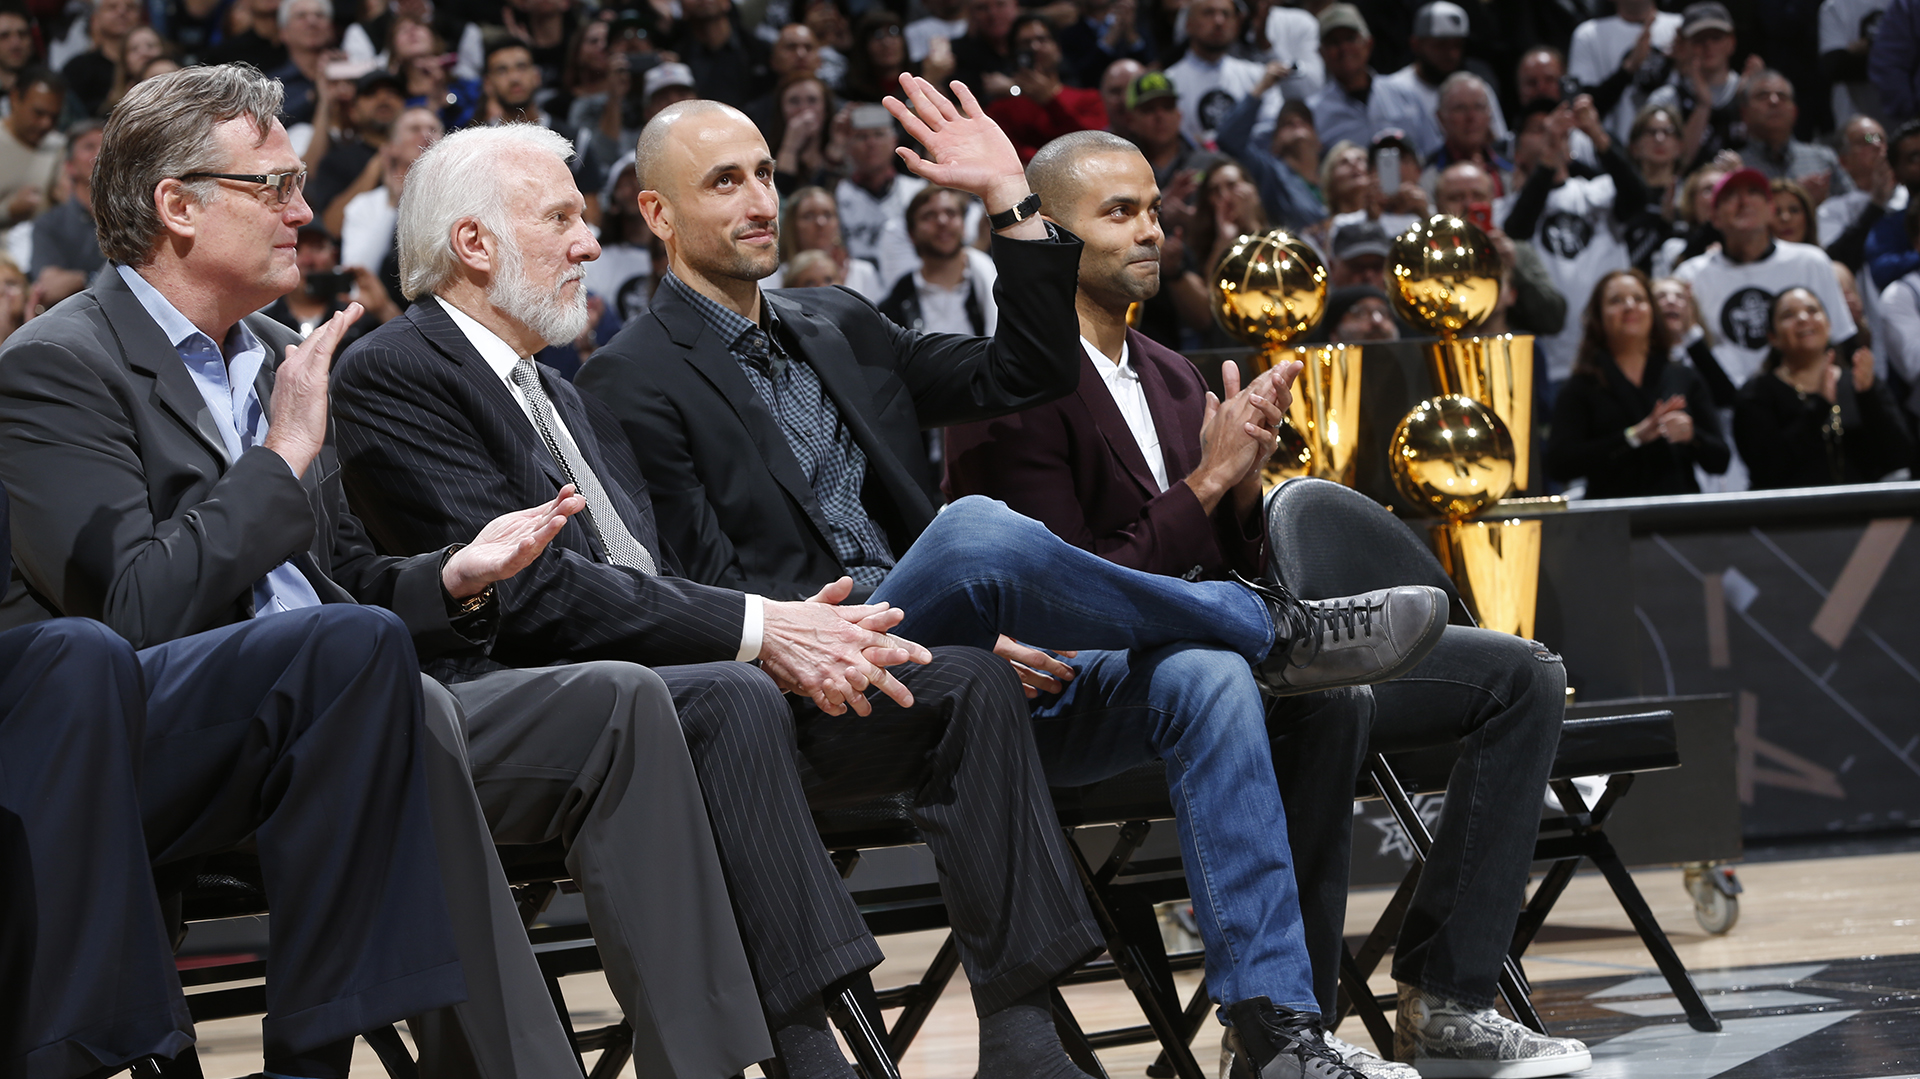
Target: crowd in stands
<point x="1714" y="149"/>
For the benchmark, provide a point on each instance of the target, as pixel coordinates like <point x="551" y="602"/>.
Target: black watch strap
<point x="1006" y="219"/>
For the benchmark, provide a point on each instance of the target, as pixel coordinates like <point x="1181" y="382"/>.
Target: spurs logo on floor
<point x="1743" y="319"/>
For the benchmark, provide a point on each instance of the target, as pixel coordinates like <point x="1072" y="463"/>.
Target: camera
<point x="328" y="284"/>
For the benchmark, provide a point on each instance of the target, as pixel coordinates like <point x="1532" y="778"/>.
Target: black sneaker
<point x="1349" y="641"/>
<point x="1277" y="1043"/>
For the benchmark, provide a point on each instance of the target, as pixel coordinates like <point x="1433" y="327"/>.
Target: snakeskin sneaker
<point x="1369" y="1063"/>
<point x="1445" y="1039"/>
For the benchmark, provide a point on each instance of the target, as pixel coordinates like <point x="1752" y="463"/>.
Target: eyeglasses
<point x="284" y="184"/>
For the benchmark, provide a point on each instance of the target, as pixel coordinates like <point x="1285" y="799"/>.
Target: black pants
<point x="965" y="756"/>
<point x="1502" y="699"/>
<point x="300" y="732"/>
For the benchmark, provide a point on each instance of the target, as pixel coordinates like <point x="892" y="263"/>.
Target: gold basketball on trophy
<point x="1443" y="276"/>
<point x="1269" y="289"/>
<point x="1453" y="455"/>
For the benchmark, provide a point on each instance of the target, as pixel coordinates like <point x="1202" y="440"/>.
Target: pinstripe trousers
<point x="964" y="754"/>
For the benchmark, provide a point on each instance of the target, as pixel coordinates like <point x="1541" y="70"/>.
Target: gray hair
<point x="285" y="14"/>
<point x="164" y="128"/>
<point x="458" y="178"/>
<point x="1452" y="84"/>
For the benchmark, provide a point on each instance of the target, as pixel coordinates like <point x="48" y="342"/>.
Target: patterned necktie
<point x="622" y="549"/>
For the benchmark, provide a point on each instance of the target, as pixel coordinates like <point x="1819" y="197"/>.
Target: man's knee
<point x="348" y="637"/>
<point x="731" y="699"/>
<point x="80" y="643"/>
<point x="624" y="693"/>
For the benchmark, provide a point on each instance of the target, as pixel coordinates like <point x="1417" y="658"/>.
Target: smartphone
<point x="1023" y="60"/>
<point x="1386" y="166"/>
<point x="1481" y="214"/>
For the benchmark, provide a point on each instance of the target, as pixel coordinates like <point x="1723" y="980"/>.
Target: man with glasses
<point x="168" y="481"/>
<point x="1768" y="109"/>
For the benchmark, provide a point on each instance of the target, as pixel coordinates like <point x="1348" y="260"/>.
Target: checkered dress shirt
<point x="833" y="463"/>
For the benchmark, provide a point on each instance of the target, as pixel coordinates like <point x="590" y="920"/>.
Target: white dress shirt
<point x="502" y="357"/>
<point x="1123" y="382"/>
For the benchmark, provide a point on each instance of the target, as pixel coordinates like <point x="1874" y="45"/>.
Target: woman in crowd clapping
<point x="1807" y="421"/>
<point x="1631" y="420"/>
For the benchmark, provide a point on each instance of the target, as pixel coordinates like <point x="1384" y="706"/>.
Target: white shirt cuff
<point x="753" y="630"/>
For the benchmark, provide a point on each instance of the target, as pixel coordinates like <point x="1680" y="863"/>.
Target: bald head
<point x="1058" y="174"/>
<point x="657" y="139"/>
<point x="1459" y="185"/>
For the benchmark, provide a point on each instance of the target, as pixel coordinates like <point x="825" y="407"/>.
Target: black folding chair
<point x="1370" y="548"/>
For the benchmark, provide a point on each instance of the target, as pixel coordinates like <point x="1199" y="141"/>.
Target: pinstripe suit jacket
<point x="128" y="510"/>
<point x="433" y="446"/>
<point x="734" y="499"/>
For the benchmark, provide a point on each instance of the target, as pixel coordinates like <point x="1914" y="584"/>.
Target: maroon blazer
<point x="1074" y="465"/>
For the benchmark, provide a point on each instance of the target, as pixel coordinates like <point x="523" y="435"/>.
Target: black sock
<point x="807" y="1047"/>
<point x="331" y="1061"/>
<point x="1019" y="1042"/>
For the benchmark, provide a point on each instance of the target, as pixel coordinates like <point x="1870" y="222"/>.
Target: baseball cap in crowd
<point x="622" y="167"/>
<point x="662" y="76"/>
<point x="1360" y="238"/>
<point x="1440" y="19"/>
<point x="1150" y="87"/>
<point x="1342" y="17"/>
<point x="1705" y="15"/>
<point x="1739" y="178"/>
<point x="379" y="79"/>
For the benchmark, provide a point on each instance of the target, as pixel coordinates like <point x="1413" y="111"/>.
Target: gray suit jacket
<point x="127" y="509"/>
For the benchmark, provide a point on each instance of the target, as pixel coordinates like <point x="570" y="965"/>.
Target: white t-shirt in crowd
<point x="1900" y="304"/>
<point x="862" y="277"/>
<point x="623" y="277"/>
<point x="1736" y="299"/>
<point x="1402" y="100"/>
<point x="1595" y="54"/>
<point x="366" y="229"/>
<point x="1209" y="91"/>
<point x="1843" y="22"/>
<point x="1123" y="382"/>
<point x="1293" y="38"/>
<point x="943" y="309"/>
<point x="1579" y="241"/>
<point x="876" y="227"/>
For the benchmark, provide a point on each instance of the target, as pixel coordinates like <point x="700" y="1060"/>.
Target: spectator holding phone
<point x="1285" y="168"/>
<point x="1631" y="421"/>
<point x="1465" y="190"/>
<point x="1043" y="107"/>
<point x="1572" y="216"/>
<point x="325" y="289"/>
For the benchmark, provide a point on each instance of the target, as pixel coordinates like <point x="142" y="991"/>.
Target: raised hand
<point x="508" y="544"/>
<point x="1862" y="370"/>
<point x="1040" y="671"/>
<point x="968" y="150"/>
<point x="297" y="415"/>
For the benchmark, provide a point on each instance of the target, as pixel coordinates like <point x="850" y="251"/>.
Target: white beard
<point x="557" y="322"/>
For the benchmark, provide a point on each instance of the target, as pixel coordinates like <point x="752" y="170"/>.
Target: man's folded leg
<point x="964" y="753"/>
<point x="84" y="925"/>
<point x="591" y="755"/>
<point x="303" y="730"/>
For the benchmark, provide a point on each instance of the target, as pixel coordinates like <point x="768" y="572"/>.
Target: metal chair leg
<point x="1074" y="1039"/>
<point x="1360" y="998"/>
<point x="859" y="1020"/>
<point x="1191" y="1019"/>
<point x="925" y="995"/>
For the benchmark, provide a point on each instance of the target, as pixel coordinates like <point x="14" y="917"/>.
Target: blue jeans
<point x="1171" y="682"/>
<point x="1199" y="710"/>
<point x="981" y="570"/>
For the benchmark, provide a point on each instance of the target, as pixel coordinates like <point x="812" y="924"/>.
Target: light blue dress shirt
<point x="226" y="381"/>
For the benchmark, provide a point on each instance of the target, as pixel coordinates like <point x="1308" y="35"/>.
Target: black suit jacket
<point x="126" y="508"/>
<point x="435" y="446"/>
<point x="733" y="499"/>
<point x="1075" y="466"/>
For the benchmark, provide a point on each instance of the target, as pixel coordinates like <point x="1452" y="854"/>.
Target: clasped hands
<point x="1668" y="420"/>
<point x="1240" y="433"/>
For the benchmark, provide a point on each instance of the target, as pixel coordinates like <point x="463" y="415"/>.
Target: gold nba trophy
<point x="1463" y="451"/>
<point x="1268" y="290"/>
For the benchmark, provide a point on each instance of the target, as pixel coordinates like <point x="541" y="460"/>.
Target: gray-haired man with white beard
<point x="441" y="412"/>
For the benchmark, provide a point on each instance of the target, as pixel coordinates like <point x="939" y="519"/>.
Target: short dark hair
<point x="1297" y="108"/>
<point x="1027" y="19"/>
<point x="35" y="75"/>
<point x="1910" y="129"/>
<point x="928" y="194"/>
<point x="499" y="45"/>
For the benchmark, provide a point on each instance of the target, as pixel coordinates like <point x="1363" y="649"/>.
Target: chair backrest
<point x="1327" y="540"/>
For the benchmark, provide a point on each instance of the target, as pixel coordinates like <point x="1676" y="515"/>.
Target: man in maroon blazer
<point x="1137" y="466"/>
